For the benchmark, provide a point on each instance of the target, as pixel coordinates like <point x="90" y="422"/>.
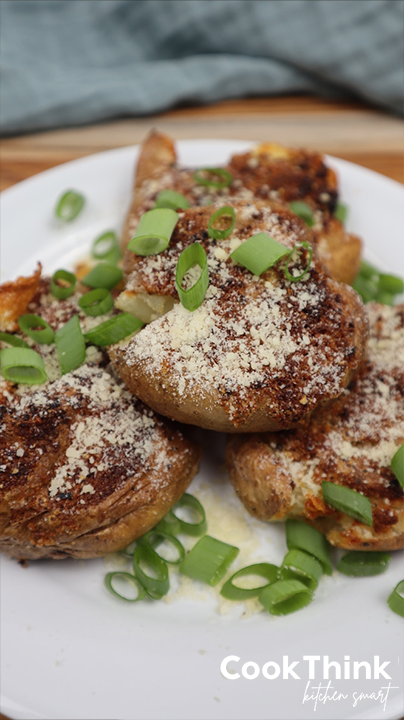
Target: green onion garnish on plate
<point x="106" y="246"/>
<point x="151" y="571"/>
<point x="22" y="365"/>
<point x="208" y="560"/>
<point x="127" y="583"/>
<point x="13" y="340"/>
<point x="341" y="212"/>
<point x="348" y="501"/>
<point x="103" y="275"/>
<point x="192" y="297"/>
<point x="303" y="210"/>
<point x="364" y="564"/>
<point x="259" y="253"/>
<point x="192" y="505"/>
<point x="299" y="565"/>
<point x="69" y="206"/>
<point x="171" y="199"/>
<point x="301" y="536"/>
<point x="113" y="330"/>
<point x="37" y="329"/>
<point x="269" y="573"/>
<point x="96" y="302"/>
<point x="295" y="278"/>
<point x="285" y="596"/>
<point x="396" y="599"/>
<point x="70" y="345"/>
<point x="213" y="177"/>
<point x="61" y="292"/>
<point x="160" y="542"/>
<point x="154" y="232"/>
<point x="226" y="213"/>
<point x="397" y="465"/>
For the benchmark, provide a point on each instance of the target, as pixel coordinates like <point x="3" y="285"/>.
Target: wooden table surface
<point x="351" y="131"/>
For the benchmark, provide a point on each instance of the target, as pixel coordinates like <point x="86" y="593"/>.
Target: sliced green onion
<point x="396" y="599"/>
<point x="224" y="212"/>
<point x="69" y="205"/>
<point x="364" y="564"/>
<point x="104" y="245"/>
<point x="169" y="524"/>
<point x="171" y="199"/>
<point x="46" y="336"/>
<point x="61" y="291"/>
<point x="208" y="560"/>
<point x="367" y="289"/>
<point x="348" y="501"/>
<point x="295" y="278"/>
<point x="22" y="365"/>
<point x="298" y="565"/>
<point x="397" y="465"/>
<point x="13" y="340"/>
<point x="231" y="591"/>
<point x="192" y="298"/>
<point x="113" y="330"/>
<point x="199" y="527"/>
<point x="128" y="579"/>
<point x="225" y="175"/>
<point x="341" y="212"/>
<point x="157" y="583"/>
<point x="129" y="550"/>
<point x="301" y="536"/>
<point x="385" y="298"/>
<point x="259" y="253"/>
<point x="285" y="596"/>
<point x="391" y="284"/>
<point x="70" y="345"/>
<point x="154" y="232"/>
<point x="368" y="271"/>
<point x="303" y="210"/>
<point x="155" y="538"/>
<point x="96" y="302"/>
<point x="103" y="275"/>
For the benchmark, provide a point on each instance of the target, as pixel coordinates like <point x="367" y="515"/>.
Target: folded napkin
<point x="69" y="62"/>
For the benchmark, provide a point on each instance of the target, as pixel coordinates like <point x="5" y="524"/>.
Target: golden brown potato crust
<point x="14" y="298"/>
<point x="85" y="467"/>
<point x="269" y="172"/>
<point x="351" y="443"/>
<point x="259" y="353"/>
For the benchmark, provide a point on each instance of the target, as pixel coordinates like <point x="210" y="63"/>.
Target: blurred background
<point x="324" y="73"/>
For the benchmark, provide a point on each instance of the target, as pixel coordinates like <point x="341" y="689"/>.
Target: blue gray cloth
<point x="70" y="62"/>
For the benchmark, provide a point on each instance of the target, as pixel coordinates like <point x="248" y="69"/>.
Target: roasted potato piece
<point x="15" y="297"/>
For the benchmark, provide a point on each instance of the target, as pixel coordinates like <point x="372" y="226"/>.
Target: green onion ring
<point x="368" y="271"/>
<point x="113" y="330"/>
<point x="341" y="212"/>
<point x="169" y="524"/>
<point x="46" y="336"/>
<point x="208" y="560"/>
<point x="59" y="292"/>
<point x="385" y="298"/>
<point x="397" y="465"/>
<point x="171" y="199"/>
<point x="109" y="578"/>
<point x="70" y="345"/>
<point x="227" y="177"/>
<point x="396" y="599"/>
<point x="194" y="529"/>
<point x="154" y="538"/>
<point x="103" y="275"/>
<point x="129" y="550"/>
<point x="104" y="244"/>
<point x="308" y="247"/>
<point x="69" y="206"/>
<point x="192" y="298"/>
<point x="348" y="501"/>
<point x="299" y="565"/>
<point x="13" y="340"/>
<point x="285" y="596"/>
<point x="391" y="284"/>
<point x="22" y="365"/>
<point x="259" y="253"/>
<point x="155" y="587"/>
<point x="232" y="592"/>
<point x="154" y="232"/>
<point x="367" y="289"/>
<point x="226" y="211"/>
<point x="364" y="564"/>
<point x="96" y="302"/>
<point x="303" y="210"/>
<point x="301" y="536"/>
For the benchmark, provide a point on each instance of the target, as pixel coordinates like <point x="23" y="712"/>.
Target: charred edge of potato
<point x="15" y="296"/>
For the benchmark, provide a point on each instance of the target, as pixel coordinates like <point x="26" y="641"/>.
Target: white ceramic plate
<point x="69" y="650"/>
